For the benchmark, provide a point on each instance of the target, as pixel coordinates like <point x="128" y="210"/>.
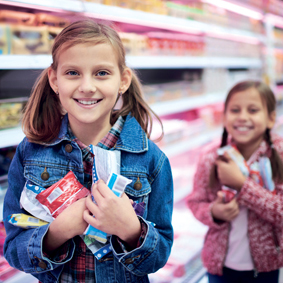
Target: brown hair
<point x="269" y="100"/>
<point x="43" y="113"/>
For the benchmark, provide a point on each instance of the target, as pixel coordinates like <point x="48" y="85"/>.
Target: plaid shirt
<point x="81" y="267"/>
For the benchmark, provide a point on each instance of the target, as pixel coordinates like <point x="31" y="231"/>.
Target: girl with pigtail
<point x="238" y="191"/>
<point x="72" y="106"/>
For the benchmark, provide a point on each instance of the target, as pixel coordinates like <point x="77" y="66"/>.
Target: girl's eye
<point x="253" y="110"/>
<point x="72" y="73"/>
<point x="234" y="110"/>
<point x="102" y="73"/>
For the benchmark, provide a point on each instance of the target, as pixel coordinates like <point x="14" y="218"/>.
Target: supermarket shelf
<point x="188" y="103"/>
<point x="139" y="62"/>
<point x="192" y="143"/>
<point x="11" y="137"/>
<point x="55" y="5"/>
<point x="113" y="13"/>
<point x="118" y="14"/>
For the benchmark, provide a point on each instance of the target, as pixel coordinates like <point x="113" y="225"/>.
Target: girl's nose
<point x="87" y="86"/>
<point x="243" y="115"/>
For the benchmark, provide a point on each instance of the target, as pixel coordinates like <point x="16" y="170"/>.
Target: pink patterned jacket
<point x="265" y="216"/>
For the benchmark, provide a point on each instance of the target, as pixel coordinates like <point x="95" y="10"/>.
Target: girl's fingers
<point x="103" y="189"/>
<point x="89" y="218"/>
<point x="91" y="206"/>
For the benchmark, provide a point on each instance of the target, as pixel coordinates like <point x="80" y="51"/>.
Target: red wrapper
<point x="62" y="194"/>
<point x="229" y="193"/>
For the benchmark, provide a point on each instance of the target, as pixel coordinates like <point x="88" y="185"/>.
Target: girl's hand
<point x="229" y="174"/>
<point x="69" y="223"/>
<point x="112" y="215"/>
<point x="224" y="211"/>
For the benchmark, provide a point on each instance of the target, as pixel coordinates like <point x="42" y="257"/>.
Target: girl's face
<point x="246" y="119"/>
<point x="88" y="80"/>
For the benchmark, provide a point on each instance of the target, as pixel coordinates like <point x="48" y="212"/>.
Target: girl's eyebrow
<point x="98" y="66"/>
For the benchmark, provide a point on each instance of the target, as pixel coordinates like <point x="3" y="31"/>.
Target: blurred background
<point x="187" y="53"/>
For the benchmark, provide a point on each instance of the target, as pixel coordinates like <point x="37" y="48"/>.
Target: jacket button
<point x="129" y="260"/>
<point x="138" y="184"/>
<point x="68" y="148"/>
<point x="44" y="175"/>
<point x="42" y="264"/>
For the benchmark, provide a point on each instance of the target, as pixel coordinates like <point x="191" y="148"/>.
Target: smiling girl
<point x="72" y="106"/>
<point x="244" y="239"/>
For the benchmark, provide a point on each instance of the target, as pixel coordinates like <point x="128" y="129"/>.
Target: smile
<point x="88" y="102"/>
<point x="242" y="128"/>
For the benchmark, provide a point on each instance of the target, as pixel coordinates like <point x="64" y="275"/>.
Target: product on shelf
<point x="51" y="20"/>
<point x="29" y="40"/>
<point x="135" y="44"/>
<point x="14" y="17"/>
<point x="5" y="46"/>
<point x="10" y="114"/>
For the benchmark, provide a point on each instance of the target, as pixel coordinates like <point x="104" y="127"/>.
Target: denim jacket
<point x="140" y="158"/>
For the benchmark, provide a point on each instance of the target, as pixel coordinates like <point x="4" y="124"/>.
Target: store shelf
<point x="192" y="143"/>
<point x="11" y="137"/>
<point x="188" y="103"/>
<point x="118" y="14"/>
<point x="139" y="62"/>
<point x="49" y="5"/>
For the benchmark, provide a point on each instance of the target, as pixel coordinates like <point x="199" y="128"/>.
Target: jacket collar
<point x="132" y="137"/>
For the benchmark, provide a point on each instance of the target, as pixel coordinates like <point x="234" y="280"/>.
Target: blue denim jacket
<point x="141" y="158"/>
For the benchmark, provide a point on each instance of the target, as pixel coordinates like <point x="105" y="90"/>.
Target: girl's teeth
<point x="87" y="102"/>
<point x="242" y="128"/>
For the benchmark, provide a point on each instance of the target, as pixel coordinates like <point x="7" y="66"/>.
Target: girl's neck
<point x="248" y="150"/>
<point x="90" y="134"/>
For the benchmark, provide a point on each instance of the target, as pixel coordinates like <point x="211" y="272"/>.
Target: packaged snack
<point x="15" y="17"/>
<point x="229" y="193"/>
<point x="117" y="183"/>
<point x="62" y="194"/>
<point x="25" y="221"/>
<point x="29" y="202"/>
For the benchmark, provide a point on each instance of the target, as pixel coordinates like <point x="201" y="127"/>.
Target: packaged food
<point x="29" y="39"/>
<point x="62" y="194"/>
<point x="25" y="221"/>
<point x="228" y="193"/>
<point x="5" y="39"/>
<point x="117" y="183"/>
<point x="15" y="17"/>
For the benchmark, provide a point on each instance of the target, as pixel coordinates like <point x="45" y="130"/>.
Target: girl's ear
<point x="52" y="77"/>
<point x="271" y="120"/>
<point x="126" y="80"/>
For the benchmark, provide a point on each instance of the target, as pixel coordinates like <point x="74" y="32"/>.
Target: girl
<point x="71" y="107"/>
<point x="244" y="239"/>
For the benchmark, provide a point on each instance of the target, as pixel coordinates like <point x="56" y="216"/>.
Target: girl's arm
<point x="202" y="198"/>
<point x="154" y="251"/>
<point x="267" y="205"/>
<point x="23" y="248"/>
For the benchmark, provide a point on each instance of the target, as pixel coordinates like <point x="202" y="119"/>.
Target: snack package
<point x="105" y="163"/>
<point x="62" y="194"/>
<point x="117" y="183"/>
<point x="29" y="202"/>
<point x="25" y="221"/>
<point x="228" y="193"/>
<point x="266" y="173"/>
<point x="236" y="157"/>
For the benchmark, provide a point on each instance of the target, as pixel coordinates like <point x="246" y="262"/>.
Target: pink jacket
<point x="265" y="216"/>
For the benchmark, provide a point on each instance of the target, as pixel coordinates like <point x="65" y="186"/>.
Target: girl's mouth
<point x="242" y="128"/>
<point x="88" y="102"/>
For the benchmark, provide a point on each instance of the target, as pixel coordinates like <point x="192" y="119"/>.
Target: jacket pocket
<point x="44" y="174"/>
<point x="139" y="189"/>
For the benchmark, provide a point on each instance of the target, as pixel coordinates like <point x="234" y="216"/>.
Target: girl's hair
<point x="43" y="113"/>
<point x="269" y="100"/>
